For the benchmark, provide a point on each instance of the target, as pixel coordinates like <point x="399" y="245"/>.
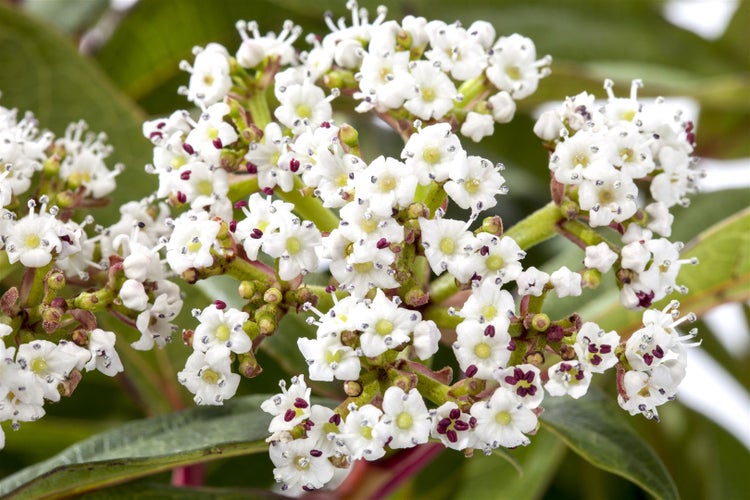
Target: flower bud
<point x="187" y="337"/>
<point x="503" y="107"/>
<point x="540" y="322"/>
<point x="591" y="278"/>
<point x="548" y="126"/>
<point x="251" y="329"/>
<point x="272" y="296"/>
<point x="352" y="388"/>
<point x="55" y="280"/>
<point x="534" y="358"/>
<point x="493" y="225"/>
<point x="349" y="136"/>
<point x="246" y="290"/>
<point x="249" y="366"/>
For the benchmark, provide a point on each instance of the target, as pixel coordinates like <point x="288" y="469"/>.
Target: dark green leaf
<point x="43" y="73"/>
<point x="598" y="430"/>
<point x="165" y="492"/>
<point x="145" y="447"/>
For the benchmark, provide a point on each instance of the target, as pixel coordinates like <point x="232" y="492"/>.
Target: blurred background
<point x="697" y="51"/>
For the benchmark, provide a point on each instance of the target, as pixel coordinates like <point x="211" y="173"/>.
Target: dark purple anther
<point x="220" y="304"/>
<point x="232" y="225"/>
<point x="188" y="148"/>
<point x="454" y="414"/>
<point x="460" y="425"/>
<point x="289" y="415"/>
<point x="645" y="299"/>
<point x="256" y="234"/>
<point x="217" y="143"/>
<point x="181" y="197"/>
<point x="484" y="251"/>
<point x="316" y="453"/>
<point x="335" y="419"/>
<point x="325" y="125"/>
<point x="382" y="243"/>
<point x="252" y="168"/>
<point x="300" y="403"/>
<point x="489" y="331"/>
<point x="452" y="436"/>
<point x="658" y="352"/>
<point x="293" y="164"/>
<point x="471" y="370"/>
<point x="185" y="176"/>
<point x="239" y="204"/>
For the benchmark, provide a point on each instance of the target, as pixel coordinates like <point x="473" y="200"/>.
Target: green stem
<point x="36" y="291"/>
<point x="579" y="233"/>
<point x="242" y="189"/>
<point x="441" y="317"/>
<point x="432" y="389"/>
<point x="5" y="267"/>
<point x="258" y="106"/>
<point x="243" y="270"/>
<point x="309" y="207"/>
<point x="534" y="229"/>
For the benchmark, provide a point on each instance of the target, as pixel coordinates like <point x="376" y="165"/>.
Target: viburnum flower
<point x="448" y="247"/>
<point x="290" y="407"/>
<point x="405" y="420"/>
<point x="264" y="217"/>
<point x="193" y="237"/>
<point x="568" y="377"/>
<point x="358" y="432"/>
<point x="513" y="66"/>
<point x="221" y="327"/>
<point x="385" y="184"/>
<point x="303" y="105"/>
<point x="454" y="428"/>
<point x="294" y="244"/>
<point x="600" y="257"/>
<point x="425" y="339"/>
<point x="524" y="380"/>
<point x="208" y="375"/>
<point x="298" y="467"/>
<point x="566" y="282"/>
<point x="595" y="348"/>
<point x="488" y="303"/>
<point x="384" y="325"/>
<point x="477" y="187"/>
<point x="209" y="75"/>
<point x="103" y="355"/>
<point x="328" y="358"/>
<point x="50" y="364"/>
<point x="435" y="153"/>
<point x="435" y="91"/>
<point x="498" y="258"/>
<point x="532" y="281"/>
<point x="33" y="239"/>
<point x="255" y="49"/>
<point x="482" y="347"/>
<point x="503" y="420"/>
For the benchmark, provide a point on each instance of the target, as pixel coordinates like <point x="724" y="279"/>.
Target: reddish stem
<point x="408" y="464"/>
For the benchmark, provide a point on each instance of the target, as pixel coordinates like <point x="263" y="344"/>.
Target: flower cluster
<point x="263" y="184"/>
<point x="73" y="267"/>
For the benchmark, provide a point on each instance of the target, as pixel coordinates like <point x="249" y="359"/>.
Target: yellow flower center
<point x="39" y="366"/>
<point x="222" y="332"/>
<point x="447" y="246"/>
<point x="386" y="183"/>
<point x="514" y="72"/>
<point x="494" y="262"/>
<point x="293" y="245"/>
<point x="32" y="241"/>
<point x="209" y="376"/>
<point x="404" y="420"/>
<point x="431" y="155"/>
<point x="383" y="327"/>
<point x="489" y="312"/>
<point x="482" y="350"/>
<point x="503" y="418"/>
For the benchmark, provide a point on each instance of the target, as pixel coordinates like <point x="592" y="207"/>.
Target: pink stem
<point x="408" y="464"/>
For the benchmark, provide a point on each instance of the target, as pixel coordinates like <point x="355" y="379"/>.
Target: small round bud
<point x="349" y="135"/>
<point x="591" y="278"/>
<point x="249" y="366"/>
<point x="246" y="290"/>
<point x="493" y="225"/>
<point x="352" y="388"/>
<point x="273" y="296"/>
<point x="416" y="297"/>
<point x="55" y="280"/>
<point x="534" y="358"/>
<point x="540" y="322"/>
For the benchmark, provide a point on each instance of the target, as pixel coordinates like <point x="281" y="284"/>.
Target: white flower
<point x="133" y="295"/>
<point x="358" y="432"/>
<point x="435" y="91"/>
<point x="584" y="155"/>
<point x="299" y="467"/>
<point x="253" y="50"/>
<point x="454" y="428"/>
<point x="384" y="325"/>
<point x="435" y="153"/>
<point x="426" y="339"/>
<point x="612" y="197"/>
<point x="271" y="158"/>
<point x="524" y="381"/>
<point x="212" y="133"/>
<point x="477" y="126"/>
<point x="103" y="355"/>
<point x="405" y="418"/>
<point x="209" y="75"/>
<point x="302" y="105"/>
<point x="595" y="348"/>
<point x="455" y="51"/>
<point x="482" y="347"/>
<point x="193" y="236"/>
<point x="642" y="391"/>
<point x="33" y="239"/>
<point x="208" y="375"/>
<point x="513" y="66"/>
<point x="221" y="327"/>
<point x="498" y="258"/>
<point x="295" y="244"/>
<point x="477" y="187"/>
<point x="328" y="358"/>
<point x="448" y="246"/>
<point x="568" y="377"/>
<point x="290" y="407"/>
<point x="503" y="420"/>
<point x="264" y="217"/>
<point x="488" y="303"/>
<point x="385" y="184"/>
<point x="532" y="282"/>
<point x="600" y="257"/>
<point x="566" y="282"/>
<point x="50" y="364"/>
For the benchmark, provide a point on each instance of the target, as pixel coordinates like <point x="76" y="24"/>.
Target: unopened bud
<point x="417" y="210"/>
<point x="64" y="199"/>
<point x="249" y="366"/>
<point x="246" y="290"/>
<point x="187" y="337"/>
<point x="80" y="337"/>
<point x="534" y="358"/>
<point x="55" y="280"/>
<point x="416" y="297"/>
<point x="548" y="126"/>
<point x="349" y="136"/>
<point x="51" y="317"/>
<point x="251" y="329"/>
<point x="540" y="322"/>
<point x="352" y="388"/>
<point x="493" y="225"/>
<point x="272" y="296"/>
<point x="266" y="324"/>
<point x="591" y="278"/>
<point x="69" y="385"/>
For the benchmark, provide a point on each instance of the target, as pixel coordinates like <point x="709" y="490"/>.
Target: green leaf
<point x="598" y="430"/>
<point x="43" y="73"/>
<point x="145" y="447"/>
<point x="538" y="462"/>
<point x="150" y="491"/>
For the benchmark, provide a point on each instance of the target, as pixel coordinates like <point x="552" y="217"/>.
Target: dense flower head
<point x="263" y="183"/>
